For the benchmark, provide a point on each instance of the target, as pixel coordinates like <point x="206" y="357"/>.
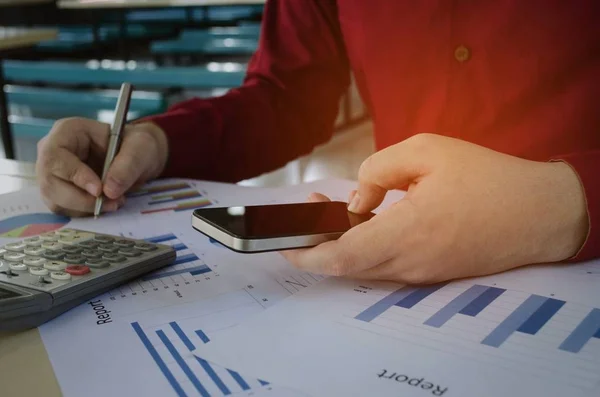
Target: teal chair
<point x="114" y="73"/>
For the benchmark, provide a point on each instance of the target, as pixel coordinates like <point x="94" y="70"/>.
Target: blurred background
<point x="64" y="58"/>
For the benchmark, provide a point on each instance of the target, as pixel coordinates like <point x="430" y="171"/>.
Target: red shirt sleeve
<point x="587" y="167"/>
<point x="286" y="106"/>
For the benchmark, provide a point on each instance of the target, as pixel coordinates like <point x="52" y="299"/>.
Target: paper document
<point x="138" y="339"/>
<point x="530" y="332"/>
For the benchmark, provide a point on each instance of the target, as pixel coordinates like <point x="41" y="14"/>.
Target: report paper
<point x="139" y="338"/>
<point x="529" y="332"/>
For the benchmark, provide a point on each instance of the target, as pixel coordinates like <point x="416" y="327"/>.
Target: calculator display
<point x="5" y="294"/>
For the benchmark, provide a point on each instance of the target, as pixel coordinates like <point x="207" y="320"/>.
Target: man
<point x="486" y="111"/>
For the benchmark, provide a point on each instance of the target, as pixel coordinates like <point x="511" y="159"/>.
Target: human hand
<point x="468" y="211"/>
<point x="71" y="159"/>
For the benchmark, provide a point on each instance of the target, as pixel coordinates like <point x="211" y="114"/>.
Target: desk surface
<point x="152" y="3"/>
<point x="23" y="353"/>
<point x="11" y="38"/>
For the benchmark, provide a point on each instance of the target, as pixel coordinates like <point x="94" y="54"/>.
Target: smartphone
<point x="263" y="228"/>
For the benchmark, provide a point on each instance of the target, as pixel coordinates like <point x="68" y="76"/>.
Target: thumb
<point x="131" y="163"/>
<point x="392" y="168"/>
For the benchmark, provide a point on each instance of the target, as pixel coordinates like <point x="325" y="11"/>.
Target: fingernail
<point x="353" y="206"/>
<point x="112" y="188"/>
<point x="92" y="189"/>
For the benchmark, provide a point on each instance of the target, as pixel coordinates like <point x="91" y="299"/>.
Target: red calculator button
<point x="77" y="270"/>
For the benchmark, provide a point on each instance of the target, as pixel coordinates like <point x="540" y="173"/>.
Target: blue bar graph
<point x="588" y="328"/>
<point x="161" y="239"/>
<point x="201" y="270"/>
<point x="238" y="378"/>
<point x="158" y="360"/>
<point x="181" y="362"/>
<point x="190" y="371"/>
<point x="405" y="297"/>
<point x="213" y="375"/>
<point x="384" y="304"/>
<point x="482" y="301"/>
<point x="185" y="259"/>
<point x="179" y="247"/>
<point x="203" y="337"/>
<point x="186" y="341"/>
<point x="418" y="295"/>
<point x="194" y="271"/>
<point x="514" y="321"/>
<point x="541" y="316"/>
<point x="455" y="306"/>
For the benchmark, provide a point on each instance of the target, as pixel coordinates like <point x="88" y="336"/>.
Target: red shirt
<point x="519" y="77"/>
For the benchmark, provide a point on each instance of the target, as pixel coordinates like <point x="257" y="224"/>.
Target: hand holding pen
<point x="115" y="138"/>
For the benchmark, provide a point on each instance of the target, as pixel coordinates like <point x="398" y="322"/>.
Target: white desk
<point x="85" y="4"/>
<point x="12" y="39"/>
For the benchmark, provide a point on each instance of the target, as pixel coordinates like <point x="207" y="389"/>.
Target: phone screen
<point x="281" y="220"/>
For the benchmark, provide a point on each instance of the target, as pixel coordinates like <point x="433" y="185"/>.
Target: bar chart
<point x="171" y="196"/>
<point x="171" y="349"/>
<point x="186" y="264"/>
<point x="486" y="322"/>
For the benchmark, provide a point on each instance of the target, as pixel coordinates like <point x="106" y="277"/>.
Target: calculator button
<point x="49" y="237"/>
<point x="74" y="258"/>
<point x="35" y="261"/>
<point x="92" y="253"/>
<point x="103" y="239"/>
<point x="76" y="238"/>
<point x="124" y="243"/>
<point x="96" y="263"/>
<point x="38" y="271"/>
<point x="72" y="249"/>
<point x="145" y="247"/>
<point x="34" y="251"/>
<point x="15" y="247"/>
<point x="14" y="256"/>
<point x="33" y="241"/>
<point x="55" y="266"/>
<point x="53" y="255"/>
<point x="108" y="248"/>
<point x="52" y="245"/>
<point x="130" y="252"/>
<point x="62" y="276"/>
<point x="66" y="232"/>
<point x="18" y="267"/>
<point x="77" y="270"/>
<point x="88" y="244"/>
<point x="114" y="257"/>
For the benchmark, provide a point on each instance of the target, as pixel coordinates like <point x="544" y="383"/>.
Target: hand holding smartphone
<point x="263" y="228"/>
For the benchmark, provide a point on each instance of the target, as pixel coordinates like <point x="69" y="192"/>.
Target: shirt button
<point x="462" y="53"/>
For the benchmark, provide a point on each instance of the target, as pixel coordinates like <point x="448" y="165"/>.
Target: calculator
<point x="42" y="277"/>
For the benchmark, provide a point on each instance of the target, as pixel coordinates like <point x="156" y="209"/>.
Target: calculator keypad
<point x="57" y="259"/>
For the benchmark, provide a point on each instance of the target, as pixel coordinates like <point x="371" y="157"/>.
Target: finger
<point x="66" y="166"/>
<point x="128" y="167"/>
<point x="392" y="168"/>
<point x="64" y="195"/>
<point x="317" y="197"/>
<point x="362" y="247"/>
<point x="79" y="134"/>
